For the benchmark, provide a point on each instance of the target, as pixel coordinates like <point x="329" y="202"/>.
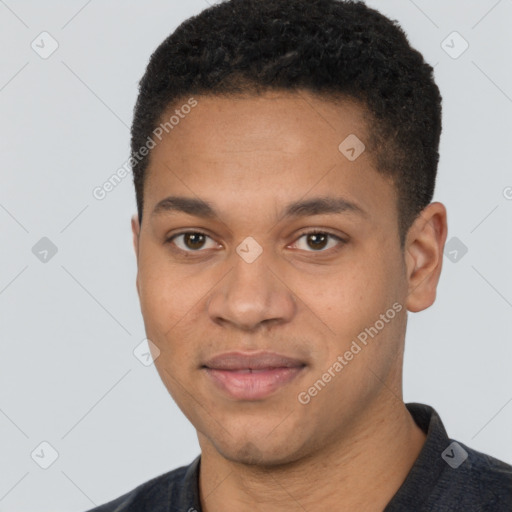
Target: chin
<point x="263" y="454"/>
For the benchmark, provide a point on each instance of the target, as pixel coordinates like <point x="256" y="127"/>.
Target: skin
<point x="353" y="444"/>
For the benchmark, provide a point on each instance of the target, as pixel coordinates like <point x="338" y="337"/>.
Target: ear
<point x="424" y="248"/>
<point x="136" y="233"/>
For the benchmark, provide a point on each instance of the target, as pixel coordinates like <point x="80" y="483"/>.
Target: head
<point x="263" y="121"/>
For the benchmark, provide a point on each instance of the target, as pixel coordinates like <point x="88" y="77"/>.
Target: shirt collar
<point x="429" y="465"/>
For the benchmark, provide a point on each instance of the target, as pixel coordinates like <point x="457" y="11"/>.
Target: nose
<point x="252" y="293"/>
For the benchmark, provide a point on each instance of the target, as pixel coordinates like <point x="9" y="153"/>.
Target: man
<point x="284" y="156"/>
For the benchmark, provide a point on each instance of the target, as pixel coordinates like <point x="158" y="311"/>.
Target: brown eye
<point x="193" y="240"/>
<point x="190" y="241"/>
<point x="317" y="241"/>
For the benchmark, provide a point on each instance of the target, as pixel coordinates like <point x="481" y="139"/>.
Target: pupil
<point x="194" y="237"/>
<point x="315" y="238"/>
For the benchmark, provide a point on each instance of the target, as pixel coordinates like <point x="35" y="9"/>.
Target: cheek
<point x="350" y="296"/>
<point x="356" y="296"/>
<point x="158" y="303"/>
<point x="166" y="295"/>
<point x="171" y="302"/>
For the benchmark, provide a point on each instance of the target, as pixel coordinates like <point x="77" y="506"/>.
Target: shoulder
<point x="475" y="480"/>
<point x="155" y="494"/>
<point x="449" y="476"/>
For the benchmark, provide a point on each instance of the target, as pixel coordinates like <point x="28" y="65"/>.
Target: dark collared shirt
<point x="447" y="477"/>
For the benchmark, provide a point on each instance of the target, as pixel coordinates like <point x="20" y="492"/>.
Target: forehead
<point x="270" y="149"/>
<point x="294" y="122"/>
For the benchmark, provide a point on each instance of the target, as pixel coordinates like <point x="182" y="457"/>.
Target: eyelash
<point x="170" y="240"/>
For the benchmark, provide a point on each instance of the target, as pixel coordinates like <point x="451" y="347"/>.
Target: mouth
<point x="252" y="376"/>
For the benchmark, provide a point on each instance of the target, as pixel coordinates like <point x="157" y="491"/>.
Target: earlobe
<point x="424" y="256"/>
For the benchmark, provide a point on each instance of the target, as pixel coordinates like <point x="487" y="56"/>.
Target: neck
<point x="360" y="471"/>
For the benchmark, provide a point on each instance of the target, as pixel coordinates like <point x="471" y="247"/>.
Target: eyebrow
<point x="303" y="208"/>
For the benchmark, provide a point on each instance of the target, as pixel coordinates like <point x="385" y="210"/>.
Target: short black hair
<point x="333" y="48"/>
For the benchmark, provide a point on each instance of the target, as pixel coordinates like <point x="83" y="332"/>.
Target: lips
<point x="260" y="361"/>
<point x="252" y="376"/>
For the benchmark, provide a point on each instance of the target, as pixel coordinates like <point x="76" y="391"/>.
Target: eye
<point x="191" y="241"/>
<point x="318" y="240"/>
<point x="194" y="241"/>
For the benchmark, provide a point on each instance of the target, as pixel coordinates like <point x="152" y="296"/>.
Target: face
<point x="293" y="249"/>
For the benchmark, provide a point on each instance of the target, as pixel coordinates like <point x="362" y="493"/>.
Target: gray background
<point x="69" y="325"/>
